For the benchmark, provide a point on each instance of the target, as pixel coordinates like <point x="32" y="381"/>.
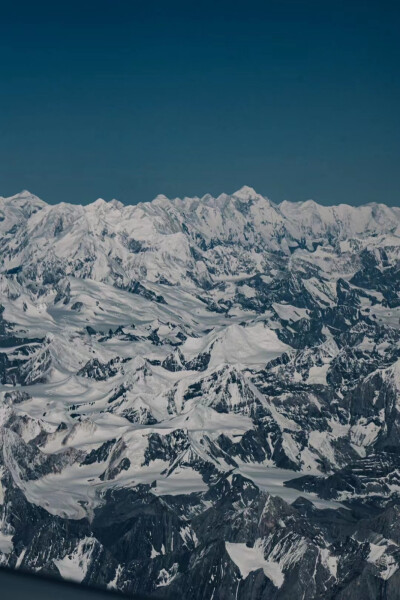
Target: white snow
<point x="251" y="559"/>
<point x="75" y="565"/>
<point x="182" y="481"/>
<point x="364" y="433"/>
<point x="330" y="561"/>
<point x="235" y="344"/>
<point x="317" y="375"/>
<point x="271" y="480"/>
<point x="166" y="576"/>
<point x="287" y="312"/>
<point x="6" y="545"/>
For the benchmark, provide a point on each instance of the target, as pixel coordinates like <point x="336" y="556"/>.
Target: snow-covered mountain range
<point x="200" y="397"/>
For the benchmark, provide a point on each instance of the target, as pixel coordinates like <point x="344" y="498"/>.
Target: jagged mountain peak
<point x="292" y="211"/>
<point x="98" y="204"/>
<point x="24" y="194"/>
<point x="246" y="193"/>
<point x="24" y="201"/>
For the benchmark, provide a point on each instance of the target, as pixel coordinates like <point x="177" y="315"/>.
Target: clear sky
<point x="125" y="99"/>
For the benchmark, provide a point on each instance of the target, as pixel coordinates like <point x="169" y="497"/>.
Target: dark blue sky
<point x="118" y="98"/>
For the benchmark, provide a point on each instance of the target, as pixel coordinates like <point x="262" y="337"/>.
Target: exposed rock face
<point x="200" y="398"/>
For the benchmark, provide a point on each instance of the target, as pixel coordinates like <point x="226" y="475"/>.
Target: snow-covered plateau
<point x="200" y="397"/>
